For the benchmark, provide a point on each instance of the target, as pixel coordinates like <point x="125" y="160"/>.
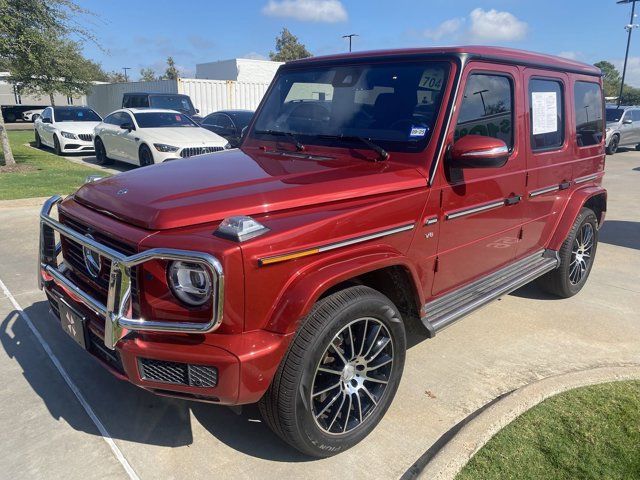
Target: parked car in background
<point x="228" y="124"/>
<point x="66" y="129"/>
<point x="32" y="115"/>
<point x="144" y="136"/>
<point x="623" y="128"/>
<point x="373" y="194"/>
<point x="170" y="101"/>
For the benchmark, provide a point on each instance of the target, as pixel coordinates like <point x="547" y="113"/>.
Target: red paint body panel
<point x="311" y="203"/>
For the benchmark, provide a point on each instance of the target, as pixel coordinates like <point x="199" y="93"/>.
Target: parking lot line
<point x="87" y="408"/>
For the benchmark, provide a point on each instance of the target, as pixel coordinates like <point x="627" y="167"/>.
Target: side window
<point x="636" y="115"/>
<point x="487" y="108"/>
<point x="211" y="119"/>
<point x="46" y="114"/>
<point x="125" y="118"/>
<point x="546" y="102"/>
<point x="589" y="114"/>
<point x="628" y="116"/>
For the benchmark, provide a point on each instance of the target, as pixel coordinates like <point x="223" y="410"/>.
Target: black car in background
<point x="171" y="101"/>
<point x="228" y="124"/>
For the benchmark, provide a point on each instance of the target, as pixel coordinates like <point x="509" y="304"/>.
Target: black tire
<point x="145" y="156"/>
<point x="56" y="146"/>
<point x="101" y="152"/>
<point x="613" y="145"/>
<point x="289" y="407"/>
<point x="38" y="140"/>
<point x="564" y="281"/>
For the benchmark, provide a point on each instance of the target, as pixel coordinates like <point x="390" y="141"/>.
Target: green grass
<point x="47" y="175"/>
<point x="587" y="433"/>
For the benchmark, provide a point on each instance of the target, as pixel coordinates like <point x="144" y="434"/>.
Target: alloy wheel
<point x="581" y="253"/>
<point x="352" y="376"/>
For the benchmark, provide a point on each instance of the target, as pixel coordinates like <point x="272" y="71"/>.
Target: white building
<point x="238" y="70"/>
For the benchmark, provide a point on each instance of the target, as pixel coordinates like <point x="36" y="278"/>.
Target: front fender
<point x="303" y="291"/>
<point x="576" y="201"/>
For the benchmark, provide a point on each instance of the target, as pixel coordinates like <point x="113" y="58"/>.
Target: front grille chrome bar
<point x="118" y="308"/>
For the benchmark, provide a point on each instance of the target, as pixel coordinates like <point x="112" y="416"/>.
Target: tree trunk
<point x="51" y="99"/>
<point x="6" y="147"/>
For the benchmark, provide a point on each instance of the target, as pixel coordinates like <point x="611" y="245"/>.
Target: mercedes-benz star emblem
<point x="92" y="260"/>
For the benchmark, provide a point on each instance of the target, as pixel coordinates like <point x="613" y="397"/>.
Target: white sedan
<point x="32" y="115"/>
<point x="144" y="136"/>
<point x="66" y="129"/>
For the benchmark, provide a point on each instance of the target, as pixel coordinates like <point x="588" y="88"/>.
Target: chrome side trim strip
<point x="431" y="221"/>
<point x="365" y="238"/>
<point x="586" y="178"/>
<point x="471" y="211"/>
<point x="119" y="294"/>
<point x="542" y="191"/>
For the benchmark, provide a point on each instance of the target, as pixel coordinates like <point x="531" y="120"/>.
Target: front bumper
<point x="71" y="145"/>
<point x="245" y="363"/>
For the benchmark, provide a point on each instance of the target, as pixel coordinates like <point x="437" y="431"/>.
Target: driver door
<point x="481" y="208"/>
<point x="128" y="141"/>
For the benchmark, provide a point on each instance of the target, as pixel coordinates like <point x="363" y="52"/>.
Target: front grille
<point x="87" y="137"/>
<point x="73" y="255"/>
<point x="191" y="151"/>
<point x="178" y="373"/>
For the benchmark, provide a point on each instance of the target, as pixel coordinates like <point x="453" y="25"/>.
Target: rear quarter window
<point x="589" y="113"/>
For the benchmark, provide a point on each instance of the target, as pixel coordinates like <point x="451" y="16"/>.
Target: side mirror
<point x="627" y="121"/>
<point x="46" y="120"/>
<point x="477" y="151"/>
<point x="127" y="126"/>
<point x="197" y="110"/>
<point x="244" y="131"/>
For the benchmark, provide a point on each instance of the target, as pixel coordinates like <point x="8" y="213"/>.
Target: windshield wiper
<point x="382" y="153"/>
<point x="280" y="133"/>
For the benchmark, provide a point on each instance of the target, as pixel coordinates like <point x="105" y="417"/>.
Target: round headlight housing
<point x="190" y="282"/>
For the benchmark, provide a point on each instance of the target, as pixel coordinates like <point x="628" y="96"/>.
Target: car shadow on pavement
<point x="129" y="413"/>
<point x="622" y="233"/>
<point x="82" y="158"/>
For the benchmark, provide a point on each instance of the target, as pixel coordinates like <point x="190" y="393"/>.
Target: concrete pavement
<point x="524" y="337"/>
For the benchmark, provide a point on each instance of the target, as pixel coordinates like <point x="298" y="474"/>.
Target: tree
<point x="171" y="73"/>
<point x="26" y="26"/>
<point x="116" y="77"/>
<point x="288" y="48"/>
<point x="56" y="66"/>
<point x="147" y="75"/>
<point x="610" y="77"/>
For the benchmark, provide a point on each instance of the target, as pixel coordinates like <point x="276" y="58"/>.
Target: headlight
<point x="161" y="147"/>
<point x="69" y="135"/>
<point x="240" y="228"/>
<point x="228" y="146"/>
<point x="190" y="282"/>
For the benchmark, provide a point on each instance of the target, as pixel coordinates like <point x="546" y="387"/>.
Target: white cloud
<point x="480" y="26"/>
<point x="329" y="11"/>
<point x="445" y="29"/>
<point x="570" y="55"/>
<point x="492" y="25"/>
<point x="633" y="70"/>
<point x="254" y="56"/>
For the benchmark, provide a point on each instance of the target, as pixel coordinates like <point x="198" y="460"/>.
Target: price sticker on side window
<point x="432" y="79"/>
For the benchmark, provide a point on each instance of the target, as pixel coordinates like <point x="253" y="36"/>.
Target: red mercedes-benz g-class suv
<point x="373" y="192"/>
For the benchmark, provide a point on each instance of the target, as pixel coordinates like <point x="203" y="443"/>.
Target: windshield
<point x="163" y="119"/>
<point x="614" y="114"/>
<point x="75" y="115"/>
<point x="171" y="102"/>
<point x="394" y="105"/>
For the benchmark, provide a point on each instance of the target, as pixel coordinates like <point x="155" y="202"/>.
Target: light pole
<point x="350" y="36"/>
<point x="629" y="28"/>
<point x="126" y="77"/>
<point x="480" y="92"/>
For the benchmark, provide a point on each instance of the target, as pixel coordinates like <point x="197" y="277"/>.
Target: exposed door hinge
<point x="526" y="179"/>
<point x="441" y="197"/>
<point x="521" y="233"/>
<point x="436" y="264"/>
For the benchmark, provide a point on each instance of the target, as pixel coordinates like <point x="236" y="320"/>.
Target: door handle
<point x="513" y="200"/>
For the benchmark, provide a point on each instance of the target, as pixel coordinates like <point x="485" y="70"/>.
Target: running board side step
<point x="447" y="309"/>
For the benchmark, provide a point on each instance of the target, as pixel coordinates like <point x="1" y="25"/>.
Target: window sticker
<point x="432" y="79"/>
<point x="544" y="109"/>
<point x="418" y="131"/>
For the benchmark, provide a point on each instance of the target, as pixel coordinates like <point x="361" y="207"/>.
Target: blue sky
<point x="142" y="33"/>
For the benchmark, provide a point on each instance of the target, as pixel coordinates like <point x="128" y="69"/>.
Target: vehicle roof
<point x="500" y="54"/>
<point x="72" y="107"/>
<point x="156" y="93"/>
<point x="149" y="110"/>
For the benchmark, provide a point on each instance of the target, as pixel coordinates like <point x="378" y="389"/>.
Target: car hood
<point x="209" y="188"/>
<point x="76" y="127"/>
<point x="182" y="136"/>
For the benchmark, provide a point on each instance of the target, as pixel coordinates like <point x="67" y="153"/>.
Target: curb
<point x="454" y="454"/>
<point x="22" y="202"/>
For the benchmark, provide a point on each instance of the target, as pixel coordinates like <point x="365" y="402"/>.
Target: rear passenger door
<point x="548" y="155"/>
<point x="481" y="208"/>
<point x="627" y="132"/>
